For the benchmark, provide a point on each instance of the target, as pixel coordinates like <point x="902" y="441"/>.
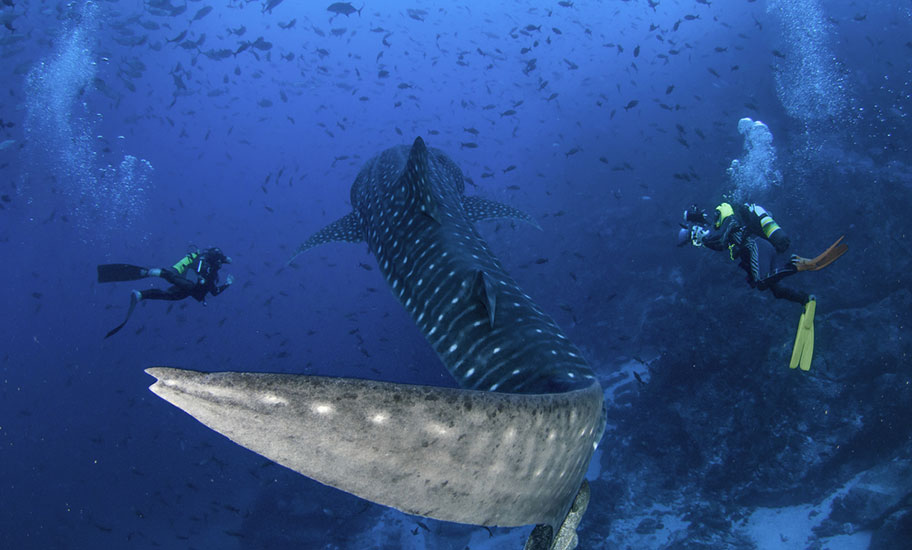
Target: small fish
<point x="416" y="14"/>
<point x="669" y="89"/>
<point x="631" y="104"/>
<point x="261" y="44"/>
<point x="508" y="112"/>
<point x="468" y="145"/>
<point x="343" y="8"/>
<point x="177" y="38"/>
<point x="203" y="12"/>
<point x="472" y="131"/>
<point x="270" y="5"/>
<point x="510" y="169"/>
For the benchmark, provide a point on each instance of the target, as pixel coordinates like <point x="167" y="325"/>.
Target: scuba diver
<point x="756" y="241"/>
<point x="205" y="265"/>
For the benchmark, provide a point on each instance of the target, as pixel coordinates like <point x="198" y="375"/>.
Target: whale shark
<point x="509" y="446"/>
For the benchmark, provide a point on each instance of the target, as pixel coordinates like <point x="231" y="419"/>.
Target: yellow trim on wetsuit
<point x="185" y="262"/>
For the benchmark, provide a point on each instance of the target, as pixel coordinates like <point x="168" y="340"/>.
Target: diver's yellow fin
<point x="803" y="352"/>
<point x="799" y="345"/>
<point x="808" y="352"/>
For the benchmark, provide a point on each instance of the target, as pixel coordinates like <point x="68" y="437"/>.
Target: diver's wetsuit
<point x="182" y="287"/>
<point x="757" y="256"/>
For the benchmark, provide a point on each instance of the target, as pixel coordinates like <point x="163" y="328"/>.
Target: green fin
<point x="803" y="351"/>
<point x="110" y="273"/>
<point x="347" y="228"/>
<point x="413" y="183"/>
<point x="478" y="209"/>
<point x="486" y="293"/>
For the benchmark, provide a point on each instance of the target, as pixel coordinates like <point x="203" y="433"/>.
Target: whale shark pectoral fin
<point x="486" y="293"/>
<point x="457" y="455"/>
<point x="478" y="208"/>
<point x="347" y="228"/>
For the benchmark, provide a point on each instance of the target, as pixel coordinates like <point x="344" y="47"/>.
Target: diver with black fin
<point x="204" y="265"/>
<point x="753" y="238"/>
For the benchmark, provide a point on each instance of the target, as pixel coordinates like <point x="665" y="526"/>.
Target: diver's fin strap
<point x="828" y="256"/>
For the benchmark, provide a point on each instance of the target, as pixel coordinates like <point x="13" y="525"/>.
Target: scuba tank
<point x="185" y="262"/>
<point x="761" y="223"/>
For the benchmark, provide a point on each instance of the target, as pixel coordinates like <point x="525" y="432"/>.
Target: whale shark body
<point x="509" y="447"/>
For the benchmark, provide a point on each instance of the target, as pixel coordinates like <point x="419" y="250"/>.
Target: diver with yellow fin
<point x="756" y="241"/>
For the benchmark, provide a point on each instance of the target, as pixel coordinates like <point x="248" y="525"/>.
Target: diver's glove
<point x="229" y="279"/>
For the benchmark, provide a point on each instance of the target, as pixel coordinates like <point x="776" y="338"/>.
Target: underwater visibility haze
<point x="497" y="313"/>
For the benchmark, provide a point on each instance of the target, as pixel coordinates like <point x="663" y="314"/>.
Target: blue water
<point x="120" y="145"/>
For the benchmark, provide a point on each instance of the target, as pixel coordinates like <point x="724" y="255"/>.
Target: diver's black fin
<point x="110" y="273"/>
<point x="115" y="330"/>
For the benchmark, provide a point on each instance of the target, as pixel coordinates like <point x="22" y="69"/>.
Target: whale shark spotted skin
<point x="509" y="447"/>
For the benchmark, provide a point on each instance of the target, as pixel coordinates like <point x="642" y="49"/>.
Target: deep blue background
<point x="89" y="456"/>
